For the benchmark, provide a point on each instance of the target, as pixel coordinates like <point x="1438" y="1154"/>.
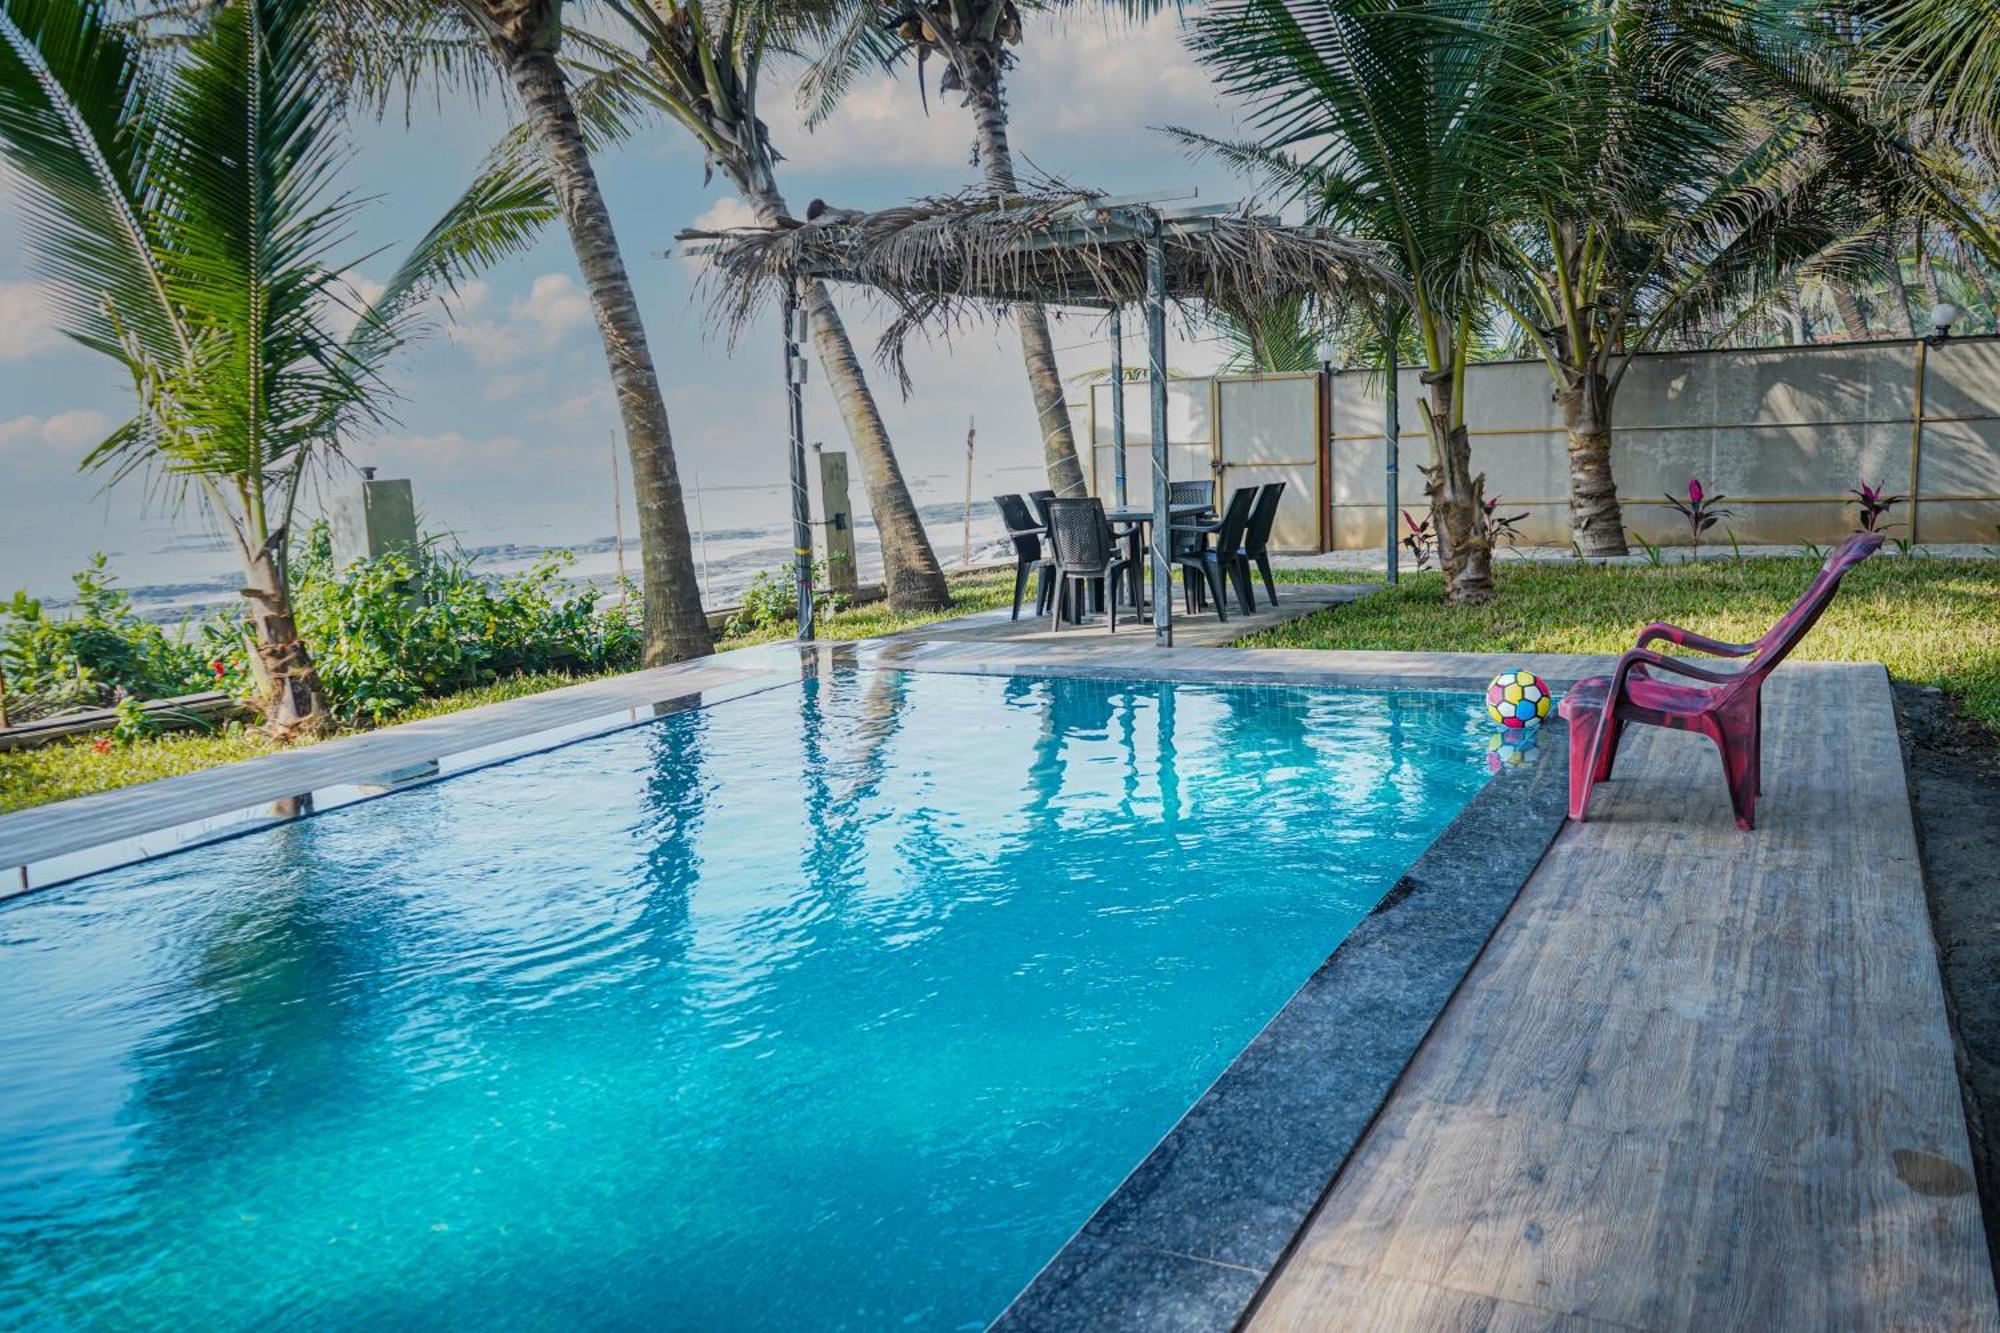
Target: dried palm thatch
<point x="945" y="261"/>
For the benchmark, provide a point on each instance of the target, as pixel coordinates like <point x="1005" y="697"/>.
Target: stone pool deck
<point x="1696" y="1078"/>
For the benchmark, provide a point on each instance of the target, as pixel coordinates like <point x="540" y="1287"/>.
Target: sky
<point x="504" y="420"/>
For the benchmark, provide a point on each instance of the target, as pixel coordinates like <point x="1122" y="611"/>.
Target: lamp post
<point x="1943" y="315"/>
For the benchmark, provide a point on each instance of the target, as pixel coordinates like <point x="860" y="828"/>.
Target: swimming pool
<point x="836" y="1006"/>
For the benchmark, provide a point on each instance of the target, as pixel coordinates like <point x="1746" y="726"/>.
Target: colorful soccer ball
<point x="1517" y="699"/>
<point x="1509" y="749"/>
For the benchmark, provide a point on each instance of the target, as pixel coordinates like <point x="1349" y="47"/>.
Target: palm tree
<point x="1273" y="337"/>
<point x="180" y="211"/>
<point x="701" y="66"/>
<point x="1410" y="124"/>
<point x="388" y="41"/>
<point x="1659" y="202"/>
<point x="972" y="37"/>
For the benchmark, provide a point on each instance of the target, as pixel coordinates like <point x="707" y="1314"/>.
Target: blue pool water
<point x="836" y="1006"/>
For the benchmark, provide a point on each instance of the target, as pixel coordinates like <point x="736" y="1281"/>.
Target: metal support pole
<point x="1156" y="366"/>
<point x="1917" y="437"/>
<point x="1392" y="433"/>
<point x="795" y="388"/>
<point x="1118" y="404"/>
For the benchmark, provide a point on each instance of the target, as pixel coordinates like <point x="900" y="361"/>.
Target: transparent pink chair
<point x="1726" y="706"/>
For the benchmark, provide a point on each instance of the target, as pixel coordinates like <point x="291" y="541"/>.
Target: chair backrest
<point x="1793" y="626"/>
<point x="1040" y="500"/>
<point x="1236" y="519"/>
<point x="1021" y="526"/>
<point x="1190" y="492"/>
<point x="1079" y="533"/>
<point x="1258" y="536"/>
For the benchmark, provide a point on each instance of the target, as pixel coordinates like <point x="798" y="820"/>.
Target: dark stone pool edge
<point x="1189" y="1238"/>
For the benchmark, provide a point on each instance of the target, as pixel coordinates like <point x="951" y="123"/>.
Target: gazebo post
<point x="795" y="376"/>
<point x="1117" y="403"/>
<point x="1156" y="359"/>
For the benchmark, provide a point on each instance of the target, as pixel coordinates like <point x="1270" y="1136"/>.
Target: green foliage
<point x="403" y="627"/>
<point x="88" y="656"/>
<point x="771" y="602"/>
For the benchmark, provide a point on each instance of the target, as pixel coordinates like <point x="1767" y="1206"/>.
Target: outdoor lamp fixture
<point x="1327" y="351"/>
<point x="1943" y="315"/>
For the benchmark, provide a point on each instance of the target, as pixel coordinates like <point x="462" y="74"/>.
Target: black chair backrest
<point x="1258" y="536"/>
<point x="1040" y="500"/>
<point x="1229" y="535"/>
<point x="1190" y="492"/>
<point x="1020" y="526"/>
<point x="1082" y="538"/>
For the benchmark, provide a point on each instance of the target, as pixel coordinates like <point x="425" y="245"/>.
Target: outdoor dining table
<point x="1138" y="516"/>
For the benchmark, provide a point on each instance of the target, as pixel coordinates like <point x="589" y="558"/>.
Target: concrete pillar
<point x="372" y="517"/>
<point x="842" y="574"/>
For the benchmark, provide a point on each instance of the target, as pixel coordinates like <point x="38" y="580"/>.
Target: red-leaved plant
<point x="1500" y="527"/>
<point x="1701" y="510"/>
<point x="1420" y="540"/>
<point x="1875" y="506"/>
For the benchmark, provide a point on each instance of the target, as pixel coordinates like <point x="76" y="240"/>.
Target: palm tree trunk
<point x="1892" y="270"/>
<point x="989" y="123"/>
<point x="1596" y="523"/>
<point x="676" y="629"/>
<point x="912" y="578"/>
<point x="290" y="695"/>
<point x="1458" y="501"/>
<point x="1848" y="306"/>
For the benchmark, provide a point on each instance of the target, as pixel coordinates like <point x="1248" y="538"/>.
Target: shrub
<point x="90" y="656"/>
<point x="389" y="631"/>
<point x="771" y="602"/>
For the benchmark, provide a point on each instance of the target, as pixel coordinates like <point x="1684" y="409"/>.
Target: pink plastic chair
<point x="1727" y="707"/>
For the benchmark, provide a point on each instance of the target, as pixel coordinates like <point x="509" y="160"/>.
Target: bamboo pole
<point x="1156" y="364"/>
<point x="965" y="554"/>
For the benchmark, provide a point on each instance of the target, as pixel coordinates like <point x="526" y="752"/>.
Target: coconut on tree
<point x="181" y="205"/>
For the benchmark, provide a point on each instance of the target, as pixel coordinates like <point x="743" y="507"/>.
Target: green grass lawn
<point x="1934" y="622"/>
<point x="96" y="763"/>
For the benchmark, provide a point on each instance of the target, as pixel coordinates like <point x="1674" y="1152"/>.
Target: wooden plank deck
<point x="1700" y="1079"/>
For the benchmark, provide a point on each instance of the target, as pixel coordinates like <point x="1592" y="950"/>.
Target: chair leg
<point x="1615" y="734"/>
<point x="1020" y="586"/>
<point x="1044" y="590"/>
<point x="1264" y="568"/>
<point x="1582" y="733"/>
<point x="1060" y="592"/>
<point x="1735" y="737"/>
<point x="1214" y="573"/>
<point x="1246" y="597"/>
<point x="1757" y="738"/>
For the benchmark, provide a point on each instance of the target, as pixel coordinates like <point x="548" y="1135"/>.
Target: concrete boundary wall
<point x="1783" y="432"/>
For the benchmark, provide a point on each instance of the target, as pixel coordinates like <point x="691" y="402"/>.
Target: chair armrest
<point x="1203" y="528"/>
<point x="1682" y="638"/>
<point x="1636" y="656"/>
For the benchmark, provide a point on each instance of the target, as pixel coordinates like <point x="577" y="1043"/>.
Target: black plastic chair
<point x="1191" y="493"/>
<point x="1028" y="557"/>
<point x="1040" y="500"/>
<point x="1086" y="554"/>
<point x="1204" y="566"/>
<point x="1257" y="537"/>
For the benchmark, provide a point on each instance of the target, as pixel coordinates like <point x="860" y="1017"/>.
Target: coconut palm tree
<point x="973" y="39"/>
<point x="387" y="42"/>
<point x="182" y="211"/>
<point x="701" y="65"/>
<point x="1661" y="201"/>
<point x="1410" y="124"/>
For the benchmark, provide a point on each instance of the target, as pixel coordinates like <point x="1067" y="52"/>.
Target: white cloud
<point x="877" y="124"/>
<point x="357" y="291"/>
<point x="24" y="328"/>
<point x="726" y="212"/>
<point x="65" y="432"/>
<point x="554" y="307"/>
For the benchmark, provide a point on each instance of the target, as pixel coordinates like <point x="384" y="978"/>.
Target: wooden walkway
<point x="1700" y="1079"/>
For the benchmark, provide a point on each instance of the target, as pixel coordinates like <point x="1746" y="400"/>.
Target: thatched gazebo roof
<point x="940" y="261"/>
